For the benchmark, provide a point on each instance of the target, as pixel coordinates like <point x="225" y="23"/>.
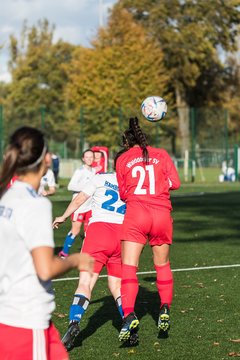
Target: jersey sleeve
<point x="51" y="179"/>
<point x="172" y="174"/>
<point x="120" y="180"/>
<point x="73" y="184"/>
<point x="90" y="187"/>
<point x="36" y="225"/>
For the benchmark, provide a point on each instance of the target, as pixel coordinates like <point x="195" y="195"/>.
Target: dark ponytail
<point x="24" y="153"/>
<point x="134" y="136"/>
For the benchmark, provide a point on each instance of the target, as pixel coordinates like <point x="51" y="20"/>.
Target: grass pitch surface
<point x="205" y="315"/>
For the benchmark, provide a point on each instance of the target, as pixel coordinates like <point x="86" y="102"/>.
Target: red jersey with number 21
<point x="147" y="182"/>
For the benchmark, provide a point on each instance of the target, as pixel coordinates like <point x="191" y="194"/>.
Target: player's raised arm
<point x="73" y="206"/>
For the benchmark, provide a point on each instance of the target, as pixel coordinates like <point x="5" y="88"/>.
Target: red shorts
<point x="27" y="344"/>
<point x="102" y="242"/>
<point x="144" y="222"/>
<point x="81" y="217"/>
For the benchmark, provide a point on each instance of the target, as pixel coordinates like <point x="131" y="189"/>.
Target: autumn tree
<point x="192" y="35"/>
<point x="110" y="80"/>
<point x="38" y="79"/>
<point x="232" y="99"/>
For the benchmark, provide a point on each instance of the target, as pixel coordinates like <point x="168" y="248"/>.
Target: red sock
<point x="129" y="288"/>
<point x="165" y="283"/>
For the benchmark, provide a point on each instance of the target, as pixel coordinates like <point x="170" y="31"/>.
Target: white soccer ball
<point x="154" y="108"/>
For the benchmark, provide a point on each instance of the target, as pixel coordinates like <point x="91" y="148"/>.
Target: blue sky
<point x="76" y="21"/>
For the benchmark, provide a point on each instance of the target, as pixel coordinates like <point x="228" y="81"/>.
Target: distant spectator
<point x="55" y="166"/>
<point x="228" y="172"/>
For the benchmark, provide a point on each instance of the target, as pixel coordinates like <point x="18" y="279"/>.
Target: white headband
<point x="30" y="166"/>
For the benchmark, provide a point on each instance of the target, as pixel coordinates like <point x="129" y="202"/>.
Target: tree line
<point x="184" y="51"/>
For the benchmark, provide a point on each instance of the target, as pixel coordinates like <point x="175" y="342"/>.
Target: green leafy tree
<point x="110" y="80"/>
<point x="232" y="100"/>
<point x="38" y="79"/>
<point x="191" y="35"/>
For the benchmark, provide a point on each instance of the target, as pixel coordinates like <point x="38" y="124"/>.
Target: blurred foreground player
<point x="27" y="257"/>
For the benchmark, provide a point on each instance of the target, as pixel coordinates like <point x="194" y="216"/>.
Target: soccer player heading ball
<point x="145" y="175"/>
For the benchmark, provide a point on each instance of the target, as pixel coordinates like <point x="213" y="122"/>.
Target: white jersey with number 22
<point x="106" y="203"/>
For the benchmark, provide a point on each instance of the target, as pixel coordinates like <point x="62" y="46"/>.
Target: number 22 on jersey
<point x="111" y="203"/>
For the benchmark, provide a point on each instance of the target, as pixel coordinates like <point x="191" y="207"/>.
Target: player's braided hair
<point x="24" y="153"/>
<point x="134" y="136"/>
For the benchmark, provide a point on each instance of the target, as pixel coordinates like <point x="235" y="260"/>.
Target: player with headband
<point x="27" y="253"/>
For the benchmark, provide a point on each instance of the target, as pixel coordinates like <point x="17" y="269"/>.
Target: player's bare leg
<point x="70" y="238"/>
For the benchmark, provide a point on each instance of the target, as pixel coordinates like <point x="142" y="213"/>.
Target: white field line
<point x="200" y="193"/>
<point x="174" y="270"/>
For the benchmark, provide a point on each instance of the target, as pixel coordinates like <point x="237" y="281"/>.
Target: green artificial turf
<point x="205" y="315"/>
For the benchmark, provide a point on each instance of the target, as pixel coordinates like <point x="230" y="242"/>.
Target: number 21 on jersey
<point x="141" y="173"/>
